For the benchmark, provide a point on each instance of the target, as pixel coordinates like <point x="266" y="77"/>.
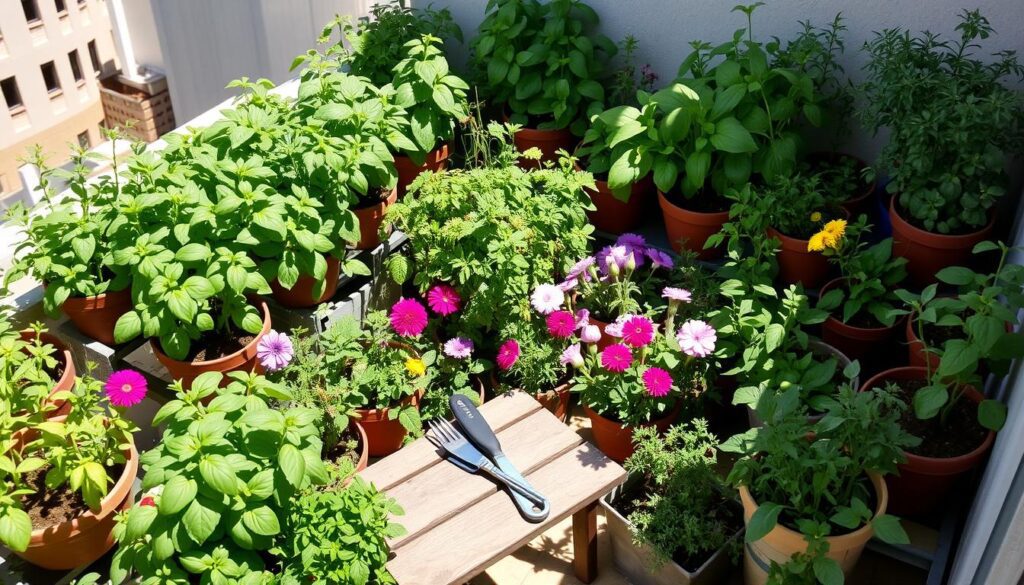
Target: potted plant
<point x="338" y="534"/>
<point x="813" y="493"/>
<point x="69" y="239"/>
<point x="542" y="63"/>
<point x="621" y="209"/>
<point x="528" y="360"/>
<point x="864" y="292"/>
<point x="221" y="483"/>
<point x="456" y="370"/>
<point x="947" y="172"/>
<point x="36" y="370"/>
<point x="65" y="479"/>
<point x="672" y="523"/>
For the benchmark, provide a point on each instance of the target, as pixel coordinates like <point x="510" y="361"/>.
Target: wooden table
<point x="459" y="524"/>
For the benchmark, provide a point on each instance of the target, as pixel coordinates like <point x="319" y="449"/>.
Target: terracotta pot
<point x="923" y="483"/>
<point x="927" y="253"/>
<point x="385" y="436"/>
<point x="364" y="442"/>
<point x="917" y="357"/>
<point x="859" y="203"/>
<point x="83" y="540"/>
<point x="370" y="220"/>
<point x="692" y="228"/>
<point x="95" y="316"/>
<point x="67" y="379"/>
<point x="782" y="543"/>
<point x="616" y="439"/>
<point x="557" y="401"/>
<point x="548" y="141"/>
<point x="301" y="293"/>
<point x="616" y="216"/>
<point x="796" y="264"/>
<point x="857" y="342"/>
<point x="437" y="160"/>
<point x="243" y="360"/>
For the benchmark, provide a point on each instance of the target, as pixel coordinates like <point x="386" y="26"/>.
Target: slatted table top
<point x="459" y="524"/>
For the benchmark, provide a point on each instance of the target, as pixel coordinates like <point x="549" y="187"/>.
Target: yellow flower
<point x="415" y="366"/>
<point x="817" y="242"/>
<point x="836" y="228"/>
<point x="816" y="216"/>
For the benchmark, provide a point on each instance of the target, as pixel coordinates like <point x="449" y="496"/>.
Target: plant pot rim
<point x="440" y="150"/>
<point x="972" y="393"/>
<point x="673" y="412"/>
<point x="835" y="282"/>
<point x="155" y="344"/>
<point x="796" y="539"/>
<point x="937" y="240"/>
<point x="537" y="133"/>
<point x="67" y="378"/>
<point x="379" y="205"/>
<point x="95" y="299"/>
<point x="364" y="443"/>
<point x="697" y="217"/>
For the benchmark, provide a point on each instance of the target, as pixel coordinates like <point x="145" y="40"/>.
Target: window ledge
<point x="37" y="23"/>
<point x="17" y="110"/>
<point x="55" y="93"/>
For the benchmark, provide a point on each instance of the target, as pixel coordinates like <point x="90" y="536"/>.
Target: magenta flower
<point x="561" y="324"/>
<point x="125" y="388"/>
<point x="697" y="338"/>
<point x="676" y="294"/>
<point x="657" y="381"/>
<point x="616" y="358"/>
<point x="274" y="351"/>
<point x="458" y="347"/>
<point x="660" y="259"/>
<point x="638" y="331"/>
<point x="582" y="318"/>
<point x="443" y="299"/>
<point x="547" y="298"/>
<point x="508" y="353"/>
<point x="590" y="334"/>
<point x="572" y="356"/>
<point x="408" y="317"/>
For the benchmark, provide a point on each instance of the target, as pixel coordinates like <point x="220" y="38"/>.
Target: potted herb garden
<point x="37" y="372"/>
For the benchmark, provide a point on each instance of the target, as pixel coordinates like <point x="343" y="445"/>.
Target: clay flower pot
<point x="782" y="543"/>
<point x="606" y="339"/>
<point x="923" y="483"/>
<point x="796" y="264"/>
<point x="364" y="443"/>
<point x="926" y="252"/>
<point x="437" y="160"/>
<point x="67" y="379"/>
<point x="616" y="439"/>
<point x="692" y="228"/>
<point x="83" y="540"/>
<point x="556" y="401"/>
<point x="856" y="342"/>
<point x="384" y="436"/>
<point x="95" y="316"/>
<point x="615" y="216"/>
<point x="548" y="141"/>
<point x="243" y="360"/>
<point x="301" y="293"/>
<point x="859" y="203"/>
<point x="370" y="220"/>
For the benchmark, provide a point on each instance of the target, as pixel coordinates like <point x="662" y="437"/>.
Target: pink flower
<point x="508" y="353"/>
<point x="458" y="347"/>
<point x="547" y="298"/>
<point x="615" y="328"/>
<point x="572" y="355"/>
<point x="443" y="299"/>
<point x="616" y="358"/>
<point x="660" y="259"/>
<point x="125" y="388"/>
<point x="697" y="338"/>
<point x="590" y="334"/>
<point x="561" y="324"/>
<point x="657" y="381"/>
<point x="274" y="351"/>
<point x="568" y="284"/>
<point x="638" y="331"/>
<point x="408" y="317"/>
<point x="580" y="269"/>
<point x="148" y="501"/>
<point x="676" y="294"/>
<point x="582" y="318"/>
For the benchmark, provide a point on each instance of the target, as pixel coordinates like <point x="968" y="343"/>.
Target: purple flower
<point x="697" y="338"/>
<point x="582" y="318"/>
<point x="676" y="294"/>
<point x="631" y="241"/>
<point x="572" y="356"/>
<point x="580" y="269"/>
<point x="660" y="259"/>
<point x="458" y="347"/>
<point x="617" y="255"/>
<point x="547" y="298"/>
<point x="615" y="328"/>
<point x="274" y="351"/>
<point x="568" y="284"/>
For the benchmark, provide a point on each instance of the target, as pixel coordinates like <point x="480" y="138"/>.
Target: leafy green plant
<point x="951" y="121"/>
<point x="813" y="477"/>
<point x="76" y="454"/>
<point x="338" y="535"/>
<point x="543" y="62"/>
<point x="220" y="484"/>
<point x="681" y="509"/>
<point x="797" y="205"/>
<point x="28" y="372"/>
<point x="627" y="80"/>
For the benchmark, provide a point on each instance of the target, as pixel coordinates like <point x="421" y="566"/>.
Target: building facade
<point x="52" y="54"/>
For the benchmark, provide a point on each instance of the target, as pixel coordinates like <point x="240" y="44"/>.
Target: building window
<point x="94" y="56"/>
<point x="11" y="94"/>
<point x="76" y="65"/>
<point x="83" y="140"/>
<point x="60" y="5"/>
<point x="50" y="76"/>
<point x="31" y="10"/>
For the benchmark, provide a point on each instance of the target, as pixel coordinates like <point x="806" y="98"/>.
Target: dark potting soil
<point x="48" y="507"/>
<point x="937" y="335"/>
<point x="727" y="511"/>
<point x="373" y="197"/>
<point x="862" y="319"/>
<point x="347" y="448"/>
<point x="960" y="435"/>
<point x="705" y="201"/>
<point x="211" y="347"/>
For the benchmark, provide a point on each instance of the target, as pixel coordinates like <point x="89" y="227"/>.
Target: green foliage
<point x="223" y="481"/>
<point x="796" y="205"/>
<point x="450" y="376"/>
<point x="537" y="369"/>
<point x="951" y="121"/>
<point x="683" y="507"/>
<point x="626" y="80"/>
<point x="543" y="62"/>
<point x="339" y="535"/>
<point x="27" y="374"/>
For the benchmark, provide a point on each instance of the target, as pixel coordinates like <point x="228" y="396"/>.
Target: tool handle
<point x="474" y="425"/>
<point x="515" y="485"/>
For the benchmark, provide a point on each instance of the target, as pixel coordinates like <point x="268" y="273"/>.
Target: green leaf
<point x="928" y="401"/>
<point x="182" y="305"/>
<point x="198" y="288"/>
<point x="84" y="247"/>
<point x="986" y="246"/>
<point x="958" y="357"/>
<point x="218" y="473"/>
<point x="773" y="337"/>
<point x="888" y="529"/>
<point x="955" y="275"/>
<point x="200" y="521"/>
<point x="178" y="492"/>
<point x="15" y="529"/>
<point x="293" y="465"/>
<point x="827" y="571"/>
<point x="128" y="327"/>
<point x="763" y="521"/>
<point x="140" y="518"/>
<point x="193" y="253"/>
<point x="992" y="414"/>
<point x="261" y="520"/>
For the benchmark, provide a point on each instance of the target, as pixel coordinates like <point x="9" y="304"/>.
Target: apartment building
<point x="52" y="54"/>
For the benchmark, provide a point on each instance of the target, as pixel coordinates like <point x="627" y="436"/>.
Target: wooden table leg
<point x="584" y="543"/>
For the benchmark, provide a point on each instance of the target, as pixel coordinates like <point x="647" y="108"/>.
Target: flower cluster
<point x="830" y="236"/>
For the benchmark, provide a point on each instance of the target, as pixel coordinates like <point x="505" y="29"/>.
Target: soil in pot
<point x="960" y="435"/>
<point x="49" y="507"/>
<point x="690" y="222"/>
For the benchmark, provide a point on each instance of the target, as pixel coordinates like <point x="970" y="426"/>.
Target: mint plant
<point x="27" y="374"/>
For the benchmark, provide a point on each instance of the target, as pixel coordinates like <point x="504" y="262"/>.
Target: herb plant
<point x="951" y="121"/>
<point x="797" y="205"/>
<point x="27" y="374"/>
